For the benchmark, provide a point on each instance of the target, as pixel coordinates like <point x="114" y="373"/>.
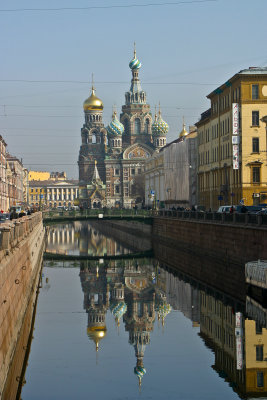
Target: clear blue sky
<point x="186" y="50"/>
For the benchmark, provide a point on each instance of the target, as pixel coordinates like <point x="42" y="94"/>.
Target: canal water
<point x="130" y="328"/>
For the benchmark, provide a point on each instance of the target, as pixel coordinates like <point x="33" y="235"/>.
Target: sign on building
<point x="235" y="139"/>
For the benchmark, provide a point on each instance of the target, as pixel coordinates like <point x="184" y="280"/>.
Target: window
<point x="139" y="171"/>
<point x="132" y="171"/>
<point x="126" y="126"/>
<point x="260" y="381"/>
<point x="117" y="189"/>
<point x="255" y="118"/>
<point x="117" y="171"/>
<point x="255" y="92"/>
<point x="256" y="174"/>
<point x="137" y="126"/>
<point x="255" y="145"/>
<point x="259" y="353"/>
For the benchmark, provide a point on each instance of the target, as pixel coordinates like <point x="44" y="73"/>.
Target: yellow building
<point x="45" y="176"/>
<point x="38" y="176"/>
<point x="218" y="138"/>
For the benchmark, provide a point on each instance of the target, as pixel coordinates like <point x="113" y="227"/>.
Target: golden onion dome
<point x="183" y="132"/>
<point x="93" y="102"/>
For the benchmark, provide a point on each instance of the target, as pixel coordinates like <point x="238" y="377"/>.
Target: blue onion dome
<point x="135" y="63"/>
<point x="159" y="126"/>
<point x="118" y="310"/>
<point x="115" y="127"/>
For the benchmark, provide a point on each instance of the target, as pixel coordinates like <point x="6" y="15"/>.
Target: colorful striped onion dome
<point x="135" y="63"/>
<point x="159" y="126"/>
<point x="115" y="127"/>
<point x="118" y="309"/>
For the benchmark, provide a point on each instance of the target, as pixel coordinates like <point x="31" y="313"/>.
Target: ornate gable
<point x="137" y="151"/>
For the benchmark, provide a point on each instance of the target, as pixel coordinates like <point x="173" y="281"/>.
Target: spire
<point x="134" y="50"/>
<point x="93" y="89"/>
<point x="96" y="176"/>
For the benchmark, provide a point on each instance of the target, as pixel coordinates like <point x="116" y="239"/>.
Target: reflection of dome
<point x="118" y="309"/>
<point x="93" y="102"/>
<point x="140" y="371"/>
<point x="96" y="333"/>
<point x="115" y="127"/>
<point x="183" y="132"/>
<point x="163" y="309"/>
<point x="159" y="126"/>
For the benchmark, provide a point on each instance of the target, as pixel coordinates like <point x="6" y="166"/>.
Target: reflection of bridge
<point x="72" y="257"/>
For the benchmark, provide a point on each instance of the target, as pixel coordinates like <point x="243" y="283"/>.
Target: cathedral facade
<point x="111" y="159"/>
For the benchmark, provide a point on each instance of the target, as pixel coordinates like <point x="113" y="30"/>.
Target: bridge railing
<point x="224" y="218"/>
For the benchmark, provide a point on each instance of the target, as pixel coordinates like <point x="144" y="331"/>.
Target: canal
<point x="132" y="328"/>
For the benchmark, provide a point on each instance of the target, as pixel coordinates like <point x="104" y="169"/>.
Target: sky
<point x="50" y="49"/>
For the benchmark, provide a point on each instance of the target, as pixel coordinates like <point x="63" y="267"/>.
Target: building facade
<point x="120" y="149"/>
<point x="171" y="173"/>
<point x="3" y="176"/>
<point x="232" y="142"/>
<point x="52" y="194"/>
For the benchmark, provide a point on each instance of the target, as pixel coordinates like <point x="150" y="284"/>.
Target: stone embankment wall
<point x="239" y="243"/>
<point x="131" y="234"/>
<point x="21" y="247"/>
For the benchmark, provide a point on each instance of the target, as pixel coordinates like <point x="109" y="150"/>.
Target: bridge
<point x="92" y="214"/>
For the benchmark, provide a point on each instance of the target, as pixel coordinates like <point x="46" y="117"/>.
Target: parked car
<point x="224" y="209"/>
<point x="263" y="211"/>
<point x="3" y="218"/>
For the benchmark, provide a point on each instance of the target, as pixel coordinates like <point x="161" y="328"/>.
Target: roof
<point x="248" y="71"/>
<point x="49" y="183"/>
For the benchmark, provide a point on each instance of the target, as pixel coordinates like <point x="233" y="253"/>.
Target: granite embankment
<point x="21" y="248"/>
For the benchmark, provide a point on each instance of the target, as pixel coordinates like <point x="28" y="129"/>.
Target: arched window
<point x="126" y="126"/>
<point x="147" y="126"/>
<point x="93" y="138"/>
<point x="137" y="126"/>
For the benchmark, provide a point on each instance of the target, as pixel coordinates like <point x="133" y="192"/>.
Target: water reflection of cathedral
<point x="133" y="293"/>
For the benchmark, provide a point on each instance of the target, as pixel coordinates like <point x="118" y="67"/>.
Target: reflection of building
<point x="239" y="343"/>
<point x="120" y="149"/>
<point x="218" y="182"/>
<point x="129" y="290"/>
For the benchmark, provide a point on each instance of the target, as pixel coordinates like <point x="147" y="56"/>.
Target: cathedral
<point x="111" y="159"/>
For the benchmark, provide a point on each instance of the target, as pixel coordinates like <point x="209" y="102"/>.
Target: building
<point x="3" y="177"/>
<point x="171" y="173"/>
<point x="52" y="194"/>
<point x="232" y="142"/>
<point x="15" y="179"/>
<point x="120" y="149"/>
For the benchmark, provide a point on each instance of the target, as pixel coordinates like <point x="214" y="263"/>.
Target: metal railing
<point x="215" y="217"/>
